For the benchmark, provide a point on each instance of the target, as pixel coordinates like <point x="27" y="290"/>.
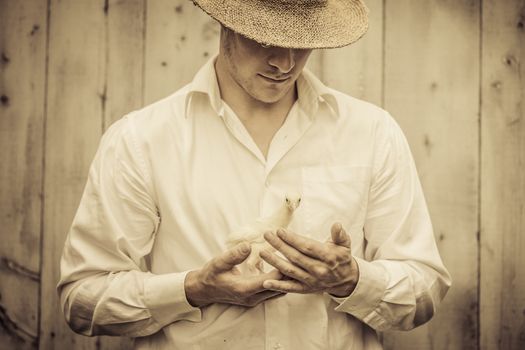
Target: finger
<point x="291" y="253"/>
<point x="287" y="268"/>
<point x="232" y="257"/>
<point x="339" y="235"/>
<point x="305" y="245"/>
<point x="289" y="286"/>
<point x="254" y="284"/>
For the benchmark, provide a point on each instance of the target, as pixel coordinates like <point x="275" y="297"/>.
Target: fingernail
<point x="269" y="235"/>
<point x="244" y="248"/>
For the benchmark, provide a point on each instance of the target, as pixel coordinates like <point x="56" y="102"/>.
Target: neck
<point x="283" y="217"/>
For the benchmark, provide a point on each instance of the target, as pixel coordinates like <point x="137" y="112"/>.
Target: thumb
<point x="339" y="235"/>
<point x="231" y="257"/>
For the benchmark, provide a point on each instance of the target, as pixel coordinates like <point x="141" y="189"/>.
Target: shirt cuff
<point x="165" y="297"/>
<point x="368" y="293"/>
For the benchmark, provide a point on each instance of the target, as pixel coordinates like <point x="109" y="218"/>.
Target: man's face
<point x="265" y="73"/>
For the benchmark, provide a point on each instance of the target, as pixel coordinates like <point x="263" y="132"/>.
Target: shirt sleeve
<point x="401" y="278"/>
<point x="105" y="286"/>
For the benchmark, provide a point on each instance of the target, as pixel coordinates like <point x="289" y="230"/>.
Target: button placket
<point x="276" y="315"/>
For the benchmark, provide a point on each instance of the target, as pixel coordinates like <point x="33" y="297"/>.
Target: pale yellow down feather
<point x="254" y="233"/>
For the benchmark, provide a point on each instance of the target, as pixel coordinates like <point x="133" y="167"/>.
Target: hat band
<point x="299" y="2"/>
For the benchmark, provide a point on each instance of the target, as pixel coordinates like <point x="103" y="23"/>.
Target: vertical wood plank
<point x="125" y="31"/>
<point x="502" y="176"/>
<point x="22" y="80"/>
<point x="76" y="71"/>
<point x="431" y="88"/>
<point x="180" y="39"/>
<point x="358" y="69"/>
<point x="95" y="77"/>
<point x="124" y="84"/>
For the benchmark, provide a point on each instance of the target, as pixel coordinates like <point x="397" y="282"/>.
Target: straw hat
<point x="312" y="24"/>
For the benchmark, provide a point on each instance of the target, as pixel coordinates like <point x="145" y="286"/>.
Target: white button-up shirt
<point x="170" y="181"/>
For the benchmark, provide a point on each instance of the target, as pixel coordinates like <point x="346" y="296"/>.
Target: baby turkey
<point x="253" y="233"/>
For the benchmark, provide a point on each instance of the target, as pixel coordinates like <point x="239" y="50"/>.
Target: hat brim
<point x="301" y="24"/>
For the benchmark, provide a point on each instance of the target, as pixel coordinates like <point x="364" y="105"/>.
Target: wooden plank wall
<point x="450" y="72"/>
<point x="502" y="292"/>
<point x="431" y="82"/>
<point x="22" y="100"/>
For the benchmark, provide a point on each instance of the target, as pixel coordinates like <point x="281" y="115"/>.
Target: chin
<point x="270" y="100"/>
<point x="270" y="96"/>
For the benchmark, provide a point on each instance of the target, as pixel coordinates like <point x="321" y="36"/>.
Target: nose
<point x="283" y="59"/>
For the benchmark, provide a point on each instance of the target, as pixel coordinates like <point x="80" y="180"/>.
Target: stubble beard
<point x="248" y="85"/>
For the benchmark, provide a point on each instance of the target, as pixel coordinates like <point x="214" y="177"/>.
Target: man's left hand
<point x="312" y="266"/>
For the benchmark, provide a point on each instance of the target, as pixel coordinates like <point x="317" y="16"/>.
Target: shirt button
<point x="277" y="346"/>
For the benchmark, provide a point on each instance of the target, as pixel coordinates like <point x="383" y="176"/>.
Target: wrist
<point x="194" y="290"/>
<point x="344" y="290"/>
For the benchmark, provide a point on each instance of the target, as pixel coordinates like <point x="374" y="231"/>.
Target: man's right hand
<point x="220" y="281"/>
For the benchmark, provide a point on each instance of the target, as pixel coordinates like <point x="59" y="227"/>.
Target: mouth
<point x="275" y="80"/>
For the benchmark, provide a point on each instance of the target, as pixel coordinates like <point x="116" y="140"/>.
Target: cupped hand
<point x="312" y="266"/>
<point x="220" y="281"/>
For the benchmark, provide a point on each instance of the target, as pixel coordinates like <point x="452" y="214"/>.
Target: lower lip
<point x="270" y="80"/>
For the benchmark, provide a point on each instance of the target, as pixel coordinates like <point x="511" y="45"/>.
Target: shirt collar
<point x="205" y="82"/>
<point x="310" y="89"/>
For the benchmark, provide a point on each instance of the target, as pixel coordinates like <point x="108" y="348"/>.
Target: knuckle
<point x="321" y="272"/>
<point x="338" y="259"/>
<point x="293" y="257"/>
<point x="332" y="259"/>
<point x="288" y="270"/>
<point x="310" y="281"/>
<point x="309" y="247"/>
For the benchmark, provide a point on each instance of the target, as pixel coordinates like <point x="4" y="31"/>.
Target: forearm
<point x="128" y="303"/>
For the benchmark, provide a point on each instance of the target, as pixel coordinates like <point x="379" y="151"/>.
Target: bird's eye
<point x="287" y="200"/>
<point x="299" y="200"/>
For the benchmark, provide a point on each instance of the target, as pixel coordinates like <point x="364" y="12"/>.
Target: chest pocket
<point x="334" y="194"/>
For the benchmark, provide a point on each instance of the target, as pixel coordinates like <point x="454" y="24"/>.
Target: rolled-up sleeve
<point x="402" y="278"/>
<point x="105" y="286"/>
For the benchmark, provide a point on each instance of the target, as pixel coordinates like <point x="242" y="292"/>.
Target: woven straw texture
<point x="312" y="24"/>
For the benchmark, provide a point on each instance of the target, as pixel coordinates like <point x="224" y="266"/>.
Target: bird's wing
<point x="250" y="233"/>
<point x="255" y="231"/>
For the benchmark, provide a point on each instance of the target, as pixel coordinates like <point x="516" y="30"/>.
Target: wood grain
<point x="424" y="64"/>
<point x="432" y="89"/>
<point x="74" y="124"/>
<point x="93" y="80"/>
<point x="502" y="297"/>
<point x="180" y="39"/>
<point x="22" y="81"/>
<point x="358" y="69"/>
<point x="125" y="30"/>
